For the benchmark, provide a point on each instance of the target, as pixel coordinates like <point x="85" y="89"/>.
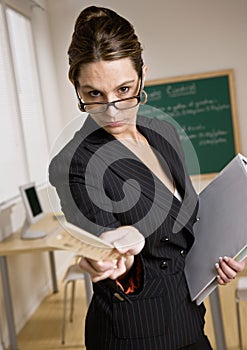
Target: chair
<point x="74" y="273"/>
<point x="240" y="294"/>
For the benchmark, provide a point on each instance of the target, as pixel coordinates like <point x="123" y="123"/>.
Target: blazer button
<point x="164" y="239"/>
<point x="164" y="265"/>
<point x="183" y="252"/>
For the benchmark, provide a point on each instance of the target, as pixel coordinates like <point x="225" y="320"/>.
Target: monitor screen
<point x="33" y="201"/>
<point x="34" y="211"/>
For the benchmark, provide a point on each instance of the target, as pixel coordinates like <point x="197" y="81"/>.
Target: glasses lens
<point x="127" y="104"/>
<point x="95" y="108"/>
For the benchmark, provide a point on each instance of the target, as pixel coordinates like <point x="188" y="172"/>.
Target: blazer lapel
<point x="170" y="151"/>
<point x="123" y="162"/>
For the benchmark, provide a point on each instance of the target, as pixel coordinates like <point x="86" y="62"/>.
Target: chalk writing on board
<point x="204" y="138"/>
<point x="193" y="108"/>
<point x="182" y="90"/>
<point x="203" y="107"/>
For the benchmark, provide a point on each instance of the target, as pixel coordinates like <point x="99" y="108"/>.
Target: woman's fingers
<point x="235" y="265"/>
<point x="100" y="270"/>
<point x="120" y="268"/>
<point x="227" y="269"/>
<point x="126" y="239"/>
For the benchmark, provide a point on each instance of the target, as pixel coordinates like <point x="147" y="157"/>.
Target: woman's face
<point x="107" y="81"/>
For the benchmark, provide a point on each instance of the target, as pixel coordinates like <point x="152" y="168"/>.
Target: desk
<point x="15" y="245"/>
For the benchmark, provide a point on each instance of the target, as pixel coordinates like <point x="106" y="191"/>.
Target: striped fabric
<point x="103" y="185"/>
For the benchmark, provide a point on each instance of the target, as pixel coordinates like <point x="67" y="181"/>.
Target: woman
<point x="123" y="178"/>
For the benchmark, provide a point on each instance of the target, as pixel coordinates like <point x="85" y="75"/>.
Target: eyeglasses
<point x="101" y="107"/>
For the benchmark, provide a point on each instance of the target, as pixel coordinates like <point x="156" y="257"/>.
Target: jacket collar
<point x="96" y="137"/>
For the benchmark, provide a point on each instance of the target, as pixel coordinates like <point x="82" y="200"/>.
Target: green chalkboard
<point x="204" y="106"/>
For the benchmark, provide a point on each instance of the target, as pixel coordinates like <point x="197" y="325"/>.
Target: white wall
<point x="179" y="38"/>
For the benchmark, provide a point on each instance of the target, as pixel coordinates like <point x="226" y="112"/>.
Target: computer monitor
<point x="33" y="209"/>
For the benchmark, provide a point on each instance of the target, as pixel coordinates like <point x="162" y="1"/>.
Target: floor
<point x="43" y="331"/>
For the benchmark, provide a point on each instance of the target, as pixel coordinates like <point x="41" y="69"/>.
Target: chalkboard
<point x="204" y="106"/>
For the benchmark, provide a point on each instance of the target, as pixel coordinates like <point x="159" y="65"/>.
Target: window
<point x="23" y="137"/>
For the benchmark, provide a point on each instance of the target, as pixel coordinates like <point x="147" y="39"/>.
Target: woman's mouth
<point x="115" y="124"/>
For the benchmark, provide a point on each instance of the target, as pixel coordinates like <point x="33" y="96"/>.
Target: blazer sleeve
<point x="77" y="196"/>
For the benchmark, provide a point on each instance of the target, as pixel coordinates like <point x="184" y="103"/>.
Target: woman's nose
<point x="112" y="111"/>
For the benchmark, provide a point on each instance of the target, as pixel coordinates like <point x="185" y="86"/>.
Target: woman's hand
<point x="227" y="269"/>
<point x="128" y="241"/>
<point x="100" y="270"/>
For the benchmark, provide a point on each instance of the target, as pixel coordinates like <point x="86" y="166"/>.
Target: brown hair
<point x="101" y="34"/>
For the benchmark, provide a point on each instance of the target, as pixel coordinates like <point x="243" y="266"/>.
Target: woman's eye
<point x="94" y="93"/>
<point x="124" y="89"/>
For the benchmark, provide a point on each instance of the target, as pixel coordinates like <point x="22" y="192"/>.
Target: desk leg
<point x="53" y="271"/>
<point x="8" y="303"/>
<point x="217" y="320"/>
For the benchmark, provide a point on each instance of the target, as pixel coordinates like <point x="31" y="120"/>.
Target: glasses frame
<point x="82" y="104"/>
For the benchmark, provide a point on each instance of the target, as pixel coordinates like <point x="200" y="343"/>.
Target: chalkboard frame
<point x="229" y="73"/>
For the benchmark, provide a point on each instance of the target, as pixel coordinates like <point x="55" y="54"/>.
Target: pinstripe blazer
<point x="103" y="185"/>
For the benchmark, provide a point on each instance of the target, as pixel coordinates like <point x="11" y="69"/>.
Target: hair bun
<point x="102" y="34"/>
<point x="92" y="12"/>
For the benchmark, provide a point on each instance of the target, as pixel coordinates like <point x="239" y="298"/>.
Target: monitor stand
<point x="27" y="233"/>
